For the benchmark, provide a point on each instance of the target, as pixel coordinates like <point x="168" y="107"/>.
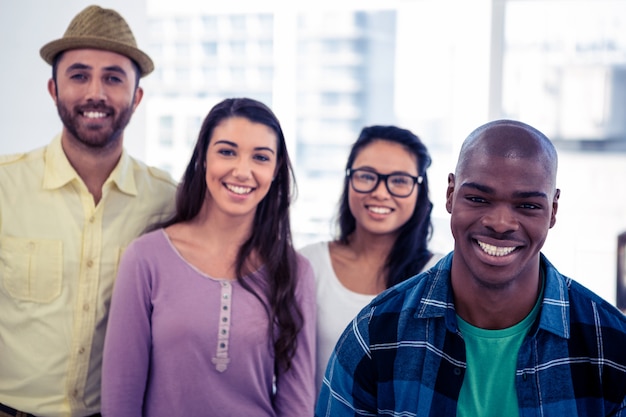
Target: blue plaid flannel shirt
<point x="403" y="355"/>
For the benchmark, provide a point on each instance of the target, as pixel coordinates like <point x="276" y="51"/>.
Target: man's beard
<point x="94" y="135"/>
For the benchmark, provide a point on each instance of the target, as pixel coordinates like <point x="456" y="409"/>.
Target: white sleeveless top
<point x="336" y="304"/>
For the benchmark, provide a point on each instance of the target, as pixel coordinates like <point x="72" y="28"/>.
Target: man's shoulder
<point x="8" y="160"/>
<point x="161" y="175"/>
<point x="426" y="295"/>
<point x="410" y="294"/>
<point x="570" y="309"/>
<point x="153" y="174"/>
<point x="587" y="306"/>
<point x="564" y="292"/>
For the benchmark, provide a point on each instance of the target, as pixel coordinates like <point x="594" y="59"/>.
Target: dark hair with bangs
<point x="409" y="253"/>
<point x="271" y="234"/>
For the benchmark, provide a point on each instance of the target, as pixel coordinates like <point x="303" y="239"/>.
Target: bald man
<point x="493" y="329"/>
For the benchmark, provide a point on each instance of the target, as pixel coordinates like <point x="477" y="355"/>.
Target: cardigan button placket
<point x="221" y="358"/>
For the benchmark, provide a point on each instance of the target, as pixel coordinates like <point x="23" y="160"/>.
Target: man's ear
<point x="555" y="207"/>
<point x="450" y="192"/>
<point x="52" y="90"/>
<point x="138" y="97"/>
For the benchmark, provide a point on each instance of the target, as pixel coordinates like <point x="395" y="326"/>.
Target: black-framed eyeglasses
<point x="366" y="181"/>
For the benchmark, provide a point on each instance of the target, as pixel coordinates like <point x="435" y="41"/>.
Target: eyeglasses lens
<point x="399" y="185"/>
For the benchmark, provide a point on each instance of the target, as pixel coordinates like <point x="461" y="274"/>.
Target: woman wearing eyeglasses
<point x="384" y="227"/>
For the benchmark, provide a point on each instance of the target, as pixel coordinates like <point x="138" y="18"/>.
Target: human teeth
<point x="239" y="190"/>
<point x="495" y="250"/>
<point x="380" y="210"/>
<point x="94" y="114"/>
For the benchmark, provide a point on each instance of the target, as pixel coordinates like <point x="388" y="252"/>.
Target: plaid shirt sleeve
<point x="348" y="388"/>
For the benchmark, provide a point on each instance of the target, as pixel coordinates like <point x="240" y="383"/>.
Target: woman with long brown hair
<point x="214" y="313"/>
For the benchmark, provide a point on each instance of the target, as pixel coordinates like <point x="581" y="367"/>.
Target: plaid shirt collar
<point x="437" y="300"/>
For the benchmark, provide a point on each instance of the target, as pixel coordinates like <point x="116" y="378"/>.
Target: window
<point x="330" y="99"/>
<point x="574" y="67"/>
<point x="156" y="27"/>
<point x="266" y="47"/>
<point x="238" y="22"/>
<point x="209" y="74"/>
<point x="183" y="74"/>
<point x="194" y="123"/>
<point x="183" y="25"/>
<point x="266" y="74"/>
<point x="183" y="50"/>
<point x="238" y="75"/>
<point x="166" y="131"/>
<point x="209" y="24"/>
<point x="209" y="49"/>
<point x="266" y="22"/>
<point x="238" y="48"/>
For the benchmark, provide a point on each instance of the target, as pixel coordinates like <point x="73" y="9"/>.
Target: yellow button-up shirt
<point x="58" y="260"/>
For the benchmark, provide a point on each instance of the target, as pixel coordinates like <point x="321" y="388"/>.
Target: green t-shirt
<point x="489" y="385"/>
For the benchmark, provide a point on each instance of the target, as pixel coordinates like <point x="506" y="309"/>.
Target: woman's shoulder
<point x="305" y="265"/>
<point x="314" y="250"/>
<point x="151" y="237"/>
<point x="305" y="274"/>
<point x="153" y="242"/>
<point x="318" y="254"/>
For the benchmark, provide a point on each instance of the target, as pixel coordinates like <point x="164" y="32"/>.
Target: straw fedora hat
<point x="99" y="28"/>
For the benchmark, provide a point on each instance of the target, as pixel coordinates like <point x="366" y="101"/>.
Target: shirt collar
<point x="554" y="316"/>
<point x="437" y="300"/>
<point x="58" y="171"/>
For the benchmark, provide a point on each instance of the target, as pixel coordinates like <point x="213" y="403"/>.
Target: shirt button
<point x="86" y="307"/>
<point x="89" y="263"/>
<point x="81" y="350"/>
<point x="92" y="219"/>
<point x="457" y="371"/>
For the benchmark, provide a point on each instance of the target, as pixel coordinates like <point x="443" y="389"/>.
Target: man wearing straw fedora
<point x="67" y="211"/>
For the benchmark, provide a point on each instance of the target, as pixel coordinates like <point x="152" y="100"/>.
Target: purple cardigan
<point x="181" y="343"/>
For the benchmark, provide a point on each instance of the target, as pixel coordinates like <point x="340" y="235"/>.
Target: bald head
<point x="508" y="139"/>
